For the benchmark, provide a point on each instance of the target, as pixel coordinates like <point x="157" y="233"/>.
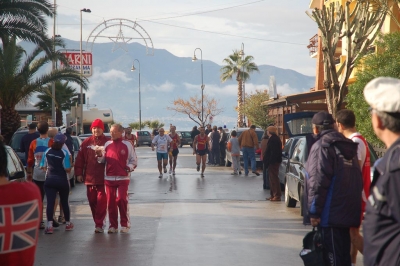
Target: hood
<point x="347" y="147"/>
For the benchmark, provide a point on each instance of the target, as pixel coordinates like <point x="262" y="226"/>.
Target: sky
<point x="274" y="32"/>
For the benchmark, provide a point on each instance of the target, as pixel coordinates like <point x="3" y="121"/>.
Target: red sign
<point x="74" y="61"/>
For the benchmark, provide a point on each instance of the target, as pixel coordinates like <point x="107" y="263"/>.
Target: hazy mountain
<point x="164" y="77"/>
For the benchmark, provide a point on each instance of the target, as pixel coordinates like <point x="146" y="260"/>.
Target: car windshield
<point x="143" y="133"/>
<point x="300" y="126"/>
<point x="186" y="134"/>
<point x="16" y="141"/>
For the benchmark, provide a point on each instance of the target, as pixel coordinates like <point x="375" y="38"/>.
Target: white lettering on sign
<point x="74" y="61"/>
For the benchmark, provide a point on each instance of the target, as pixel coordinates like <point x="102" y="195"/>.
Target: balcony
<point x="313" y="46"/>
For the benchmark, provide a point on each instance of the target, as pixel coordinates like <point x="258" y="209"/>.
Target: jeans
<point x="215" y="156"/>
<point x="265" y="177"/>
<point x="249" y="153"/>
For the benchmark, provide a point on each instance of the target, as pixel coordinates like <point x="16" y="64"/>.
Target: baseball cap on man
<point x="60" y="138"/>
<point x="97" y="123"/>
<point x="322" y="119"/>
<point x="272" y="129"/>
<point x="383" y="94"/>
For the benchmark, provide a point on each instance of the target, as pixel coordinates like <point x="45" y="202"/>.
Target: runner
<point x="200" y="148"/>
<point x="130" y="137"/>
<point x="161" y="141"/>
<point x="173" y="155"/>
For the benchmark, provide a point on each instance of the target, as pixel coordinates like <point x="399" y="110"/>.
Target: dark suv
<point x="239" y="131"/>
<point x="143" y="138"/>
<point x="15" y="143"/>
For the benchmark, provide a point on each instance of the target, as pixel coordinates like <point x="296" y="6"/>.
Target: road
<point x="183" y="220"/>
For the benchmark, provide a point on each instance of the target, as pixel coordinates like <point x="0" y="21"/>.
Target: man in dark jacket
<point x="332" y="190"/>
<point x="272" y="158"/>
<point x="215" y="137"/>
<point x="89" y="170"/>
<point x="222" y="145"/>
<point x="69" y="142"/>
<point x="381" y="226"/>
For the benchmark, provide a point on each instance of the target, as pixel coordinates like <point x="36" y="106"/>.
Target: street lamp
<point x="87" y="10"/>
<point x="202" y="83"/>
<point x="241" y="53"/>
<point x="140" y="105"/>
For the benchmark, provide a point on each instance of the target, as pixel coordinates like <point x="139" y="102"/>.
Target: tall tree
<point x="62" y="99"/>
<point x="385" y="63"/>
<point x="357" y="27"/>
<point x="26" y="20"/>
<point x="19" y="79"/>
<point x="255" y="111"/>
<point x="192" y="108"/>
<point x="241" y="68"/>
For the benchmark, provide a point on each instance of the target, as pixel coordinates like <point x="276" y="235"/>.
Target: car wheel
<point x="301" y="193"/>
<point x="289" y="201"/>
<point x="227" y="162"/>
<point x="72" y="181"/>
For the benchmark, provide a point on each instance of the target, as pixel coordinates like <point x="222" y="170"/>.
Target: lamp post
<point x="241" y="53"/>
<point x="202" y="83"/>
<point x="87" y="10"/>
<point x="140" y="104"/>
<point x="53" y="84"/>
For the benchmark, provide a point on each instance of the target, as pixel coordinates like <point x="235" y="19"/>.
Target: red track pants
<point x="117" y="199"/>
<point x="98" y="204"/>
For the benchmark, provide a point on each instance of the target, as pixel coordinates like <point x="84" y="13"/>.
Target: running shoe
<point x="202" y="175"/>
<point x="61" y="219"/>
<point x="173" y="172"/>
<point x="99" y="230"/>
<point x="198" y="167"/>
<point x="240" y="172"/>
<point x="124" y="230"/>
<point x="160" y="176"/>
<point x="48" y="230"/>
<point x="256" y="173"/>
<point x="234" y="173"/>
<point x="170" y="170"/>
<point x="42" y="225"/>
<point x="165" y="169"/>
<point x="69" y="227"/>
<point x="112" y="230"/>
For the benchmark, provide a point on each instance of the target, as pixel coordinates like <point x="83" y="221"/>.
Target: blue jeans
<point x="249" y="153"/>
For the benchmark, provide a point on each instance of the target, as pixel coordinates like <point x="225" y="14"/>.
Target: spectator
<point x="69" y="142"/>
<point x="194" y="132"/>
<point x="222" y="145"/>
<point x="25" y="199"/>
<point x="208" y="129"/>
<point x="272" y="158"/>
<point x="332" y="189"/>
<point x="264" y="143"/>
<point x="56" y="163"/>
<point x="89" y="171"/>
<point x="248" y="142"/>
<point x="215" y="137"/>
<point x="234" y="149"/>
<point x="120" y="158"/>
<point x="381" y="227"/>
<point x="27" y="139"/>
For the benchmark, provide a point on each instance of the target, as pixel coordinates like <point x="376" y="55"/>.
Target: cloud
<point x="109" y="79"/>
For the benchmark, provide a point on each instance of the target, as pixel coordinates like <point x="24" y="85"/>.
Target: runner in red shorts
<point x="200" y="148"/>
<point x="173" y="155"/>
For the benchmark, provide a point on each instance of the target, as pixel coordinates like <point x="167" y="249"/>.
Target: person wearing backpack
<point x="332" y="189"/>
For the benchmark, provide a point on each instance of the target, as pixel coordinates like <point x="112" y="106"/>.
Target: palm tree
<point x="26" y="20"/>
<point x="19" y="79"/>
<point x="240" y="67"/>
<point x="62" y="99"/>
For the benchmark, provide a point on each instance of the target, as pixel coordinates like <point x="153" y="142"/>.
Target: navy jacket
<point x="333" y="182"/>
<point x="381" y="227"/>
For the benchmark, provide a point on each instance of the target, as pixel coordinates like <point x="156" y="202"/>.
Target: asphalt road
<point x="183" y="220"/>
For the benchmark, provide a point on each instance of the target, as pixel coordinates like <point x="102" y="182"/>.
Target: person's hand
<point x="315" y="221"/>
<point x="152" y="148"/>
<point x="29" y="177"/>
<point x="79" y="178"/>
<point x="194" y="152"/>
<point x="99" y="153"/>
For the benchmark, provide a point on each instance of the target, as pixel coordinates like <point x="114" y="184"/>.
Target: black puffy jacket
<point x="333" y="184"/>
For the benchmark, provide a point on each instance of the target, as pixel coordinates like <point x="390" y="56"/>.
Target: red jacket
<point x="86" y="164"/>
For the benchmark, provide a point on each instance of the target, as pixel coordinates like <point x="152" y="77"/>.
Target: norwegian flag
<point x="18" y="226"/>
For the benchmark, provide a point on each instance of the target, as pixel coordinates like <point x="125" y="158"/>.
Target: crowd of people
<point x="338" y="193"/>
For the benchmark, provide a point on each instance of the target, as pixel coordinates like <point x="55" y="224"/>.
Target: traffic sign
<point x="75" y="62"/>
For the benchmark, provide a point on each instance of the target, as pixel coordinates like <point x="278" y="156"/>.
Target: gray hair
<point x="389" y="120"/>
<point x="118" y="126"/>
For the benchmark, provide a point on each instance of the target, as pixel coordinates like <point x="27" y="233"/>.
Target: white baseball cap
<point x="383" y="94"/>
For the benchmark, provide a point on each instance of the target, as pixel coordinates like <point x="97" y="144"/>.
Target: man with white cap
<point x="381" y="226"/>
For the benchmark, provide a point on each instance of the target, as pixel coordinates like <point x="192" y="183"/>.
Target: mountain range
<point x="165" y="77"/>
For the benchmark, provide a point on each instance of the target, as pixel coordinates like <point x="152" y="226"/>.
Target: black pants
<point x="336" y="243"/>
<point x="40" y="185"/>
<point x="215" y="155"/>
<point x="52" y="186"/>
<point x="222" y="152"/>
<point x="265" y="177"/>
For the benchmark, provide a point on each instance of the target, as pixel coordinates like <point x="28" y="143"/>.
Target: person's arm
<point x="178" y="141"/>
<point x="194" y="144"/>
<point x="132" y="158"/>
<point x="31" y="157"/>
<point x="43" y="161"/>
<point x="67" y="161"/>
<point x="153" y="142"/>
<point x="229" y="146"/>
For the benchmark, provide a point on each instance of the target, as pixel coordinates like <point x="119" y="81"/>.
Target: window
<point x="286" y="148"/>
<point x="300" y="126"/>
<point x="13" y="164"/>
<point x="300" y="151"/>
<point x="186" y="135"/>
<point x="143" y="133"/>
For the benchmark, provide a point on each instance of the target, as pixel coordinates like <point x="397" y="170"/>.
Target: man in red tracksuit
<point x="120" y="158"/>
<point x="87" y="169"/>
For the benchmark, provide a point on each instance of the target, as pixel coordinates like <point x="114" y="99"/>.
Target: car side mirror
<point x="17" y="175"/>
<point x="285" y="154"/>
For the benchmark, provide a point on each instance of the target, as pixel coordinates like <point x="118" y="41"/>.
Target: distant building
<point x="26" y="109"/>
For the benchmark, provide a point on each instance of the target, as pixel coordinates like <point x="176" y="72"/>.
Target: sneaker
<point x="42" y="225"/>
<point x="256" y="173"/>
<point x="198" y="167"/>
<point x="165" y="169"/>
<point x="202" y="175"/>
<point x="61" y="219"/>
<point x="112" y="230"/>
<point x="170" y="170"/>
<point x="69" y="227"/>
<point x="234" y="173"/>
<point x="48" y="230"/>
<point x="160" y="176"/>
<point x="246" y="174"/>
<point x="55" y="223"/>
<point x="240" y="172"/>
<point x="173" y="172"/>
<point x="99" y="230"/>
<point x="124" y="230"/>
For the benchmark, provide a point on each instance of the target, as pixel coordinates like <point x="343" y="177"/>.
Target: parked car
<point x="15" y="168"/>
<point x="186" y="138"/>
<point x="143" y="138"/>
<point x="239" y="131"/>
<point x="77" y="144"/>
<point x="15" y="144"/>
<point x="294" y="157"/>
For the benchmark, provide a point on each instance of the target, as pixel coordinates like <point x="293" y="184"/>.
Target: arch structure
<point x="126" y="31"/>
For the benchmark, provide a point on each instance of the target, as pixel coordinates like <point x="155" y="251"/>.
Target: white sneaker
<point x="173" y="172"/>
<point x="170" y="170"/>
<point x="99" y="230"/>
<point x="124" y="230"/>
<point x="112" y="230"/>
<point x="160" y="176"/>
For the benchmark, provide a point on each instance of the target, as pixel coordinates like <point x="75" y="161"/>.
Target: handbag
<point x="312" y="252"/>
